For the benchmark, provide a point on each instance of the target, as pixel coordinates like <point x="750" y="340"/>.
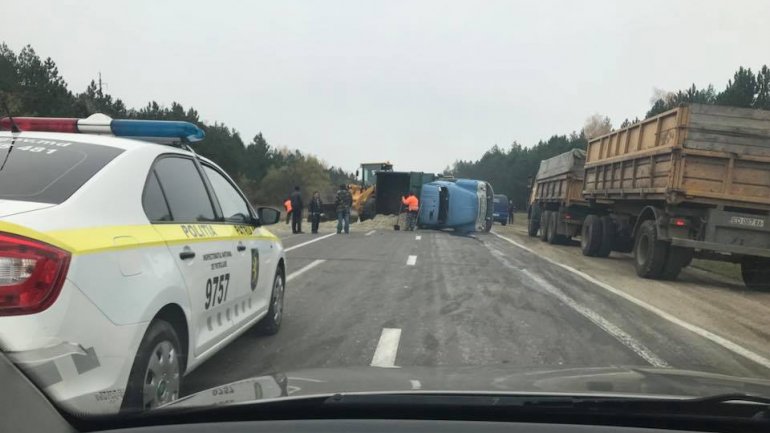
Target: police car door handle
<point x="186" y="255"/>
<point x="241" y="247"/>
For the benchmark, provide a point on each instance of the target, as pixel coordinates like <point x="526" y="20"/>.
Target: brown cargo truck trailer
<point x="690" y="182"/>
<point x="556" y="206"/>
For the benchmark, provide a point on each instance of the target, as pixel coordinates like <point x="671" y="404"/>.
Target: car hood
<point x="613" y="381"/>
<point x="13" y="207"/>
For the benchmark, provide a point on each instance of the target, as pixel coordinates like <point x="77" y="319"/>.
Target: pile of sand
<point x="379" y="222"/>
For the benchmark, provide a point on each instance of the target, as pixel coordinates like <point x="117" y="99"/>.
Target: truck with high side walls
<point x="693" y="182"/>
<point x="557" y="207"/>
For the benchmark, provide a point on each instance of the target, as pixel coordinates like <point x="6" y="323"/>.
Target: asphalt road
<point x="431" y="298"/>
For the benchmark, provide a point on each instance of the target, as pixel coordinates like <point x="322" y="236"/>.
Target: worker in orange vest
<point x="287" y="206"/>
<point x="413" y="206"/>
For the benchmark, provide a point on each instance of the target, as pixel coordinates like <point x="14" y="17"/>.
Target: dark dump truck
<point x="691" y="182"/>
<point x="557" y="206"/>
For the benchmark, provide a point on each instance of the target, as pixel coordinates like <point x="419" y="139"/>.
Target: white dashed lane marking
<point x="411" y="261"/>
<point x="387" y="347"/>
<point x="370" y="233"/>
<point x="417" y="238"/>
<point x="308" y="242"/>
<point x="301" y="271"/>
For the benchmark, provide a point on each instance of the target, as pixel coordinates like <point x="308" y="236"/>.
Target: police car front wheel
<point x="156" y="374"/>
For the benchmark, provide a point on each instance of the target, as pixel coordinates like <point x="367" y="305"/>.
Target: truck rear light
<point x="32" y="274"/>
<point x="679" y="222"/>
<point x="567" y="216"/>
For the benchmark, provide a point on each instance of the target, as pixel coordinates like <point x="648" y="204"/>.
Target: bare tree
<point x="597" y="125"/>
<point x="661" y="94"/>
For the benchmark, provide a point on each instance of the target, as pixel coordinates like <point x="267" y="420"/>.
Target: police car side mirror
<point x="268" y="215"/>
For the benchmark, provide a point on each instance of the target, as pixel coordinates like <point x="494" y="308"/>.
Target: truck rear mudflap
<point x="732" y="232"/>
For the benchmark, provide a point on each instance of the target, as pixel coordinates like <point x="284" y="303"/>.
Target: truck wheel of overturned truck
<point x="649" y="252"/>
<point x="553" y="231"/>
<point x="756" y="273"/>
<point x="607" y="239"/>
<point x="591" y="235"/>
<point x="677" y="258"/>
<point x="544" y="218"/>
<point x="533" y="225"/>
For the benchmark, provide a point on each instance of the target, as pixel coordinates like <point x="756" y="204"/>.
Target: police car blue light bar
<point x="101" y="124"/>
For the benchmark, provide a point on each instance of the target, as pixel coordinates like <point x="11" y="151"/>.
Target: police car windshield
<point x="48" y="171"/>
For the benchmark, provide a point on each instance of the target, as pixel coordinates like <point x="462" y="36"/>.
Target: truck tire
<point x="554" y="237"/>
<point x="544" y="218"/>
<point x="649" y="252"/>
<point x="533" y="225"/>
<point x="607" y="239"/>
<point x="677" y="258"/>
<point x="756" y="273"/>
<point x="591" y="235"/>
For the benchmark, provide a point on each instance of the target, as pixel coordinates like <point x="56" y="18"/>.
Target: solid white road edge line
<point x="627" y="340"/>
<point x="387" y="347"/>
<point x="370" y="233"/>
<point x="301" y="271"/>
<point x="727" y="344"/>
<point x="411" y="260"/>
<point x="308" y="242"/>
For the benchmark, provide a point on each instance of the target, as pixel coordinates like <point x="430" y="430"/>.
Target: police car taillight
<point x="32" y="274"/>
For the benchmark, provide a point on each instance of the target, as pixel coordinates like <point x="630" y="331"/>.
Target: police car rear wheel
<point x="156" y="375"/>
<point x="271" y="323"/>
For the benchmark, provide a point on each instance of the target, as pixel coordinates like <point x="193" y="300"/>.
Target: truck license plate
<point x="745" y="221"/>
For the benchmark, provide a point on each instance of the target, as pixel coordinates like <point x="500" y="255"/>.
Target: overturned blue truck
<point x="465" y="205"/>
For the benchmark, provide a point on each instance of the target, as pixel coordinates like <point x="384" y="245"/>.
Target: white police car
<point x="125" y="263"/>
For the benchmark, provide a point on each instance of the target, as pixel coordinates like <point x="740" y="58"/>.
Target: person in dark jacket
<point x="315" y="211"/>
<point x="296" y="211"/>
<point x="343" y="203"/>
<point x="511" y="210"/>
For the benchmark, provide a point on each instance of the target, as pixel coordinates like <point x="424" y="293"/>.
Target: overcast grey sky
<point x="420" y="83"/>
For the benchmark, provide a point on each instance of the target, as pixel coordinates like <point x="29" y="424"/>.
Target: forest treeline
<point x="32" y="86"/>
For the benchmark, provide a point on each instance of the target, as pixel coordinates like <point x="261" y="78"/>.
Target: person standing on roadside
<point x="296" y="211"/>
<point x="287" y="206"/>
<point x="511" y="210"/>
<point x="413" y="207"/>
<point x="315" y="211"/>
<point x="343" y="203"/>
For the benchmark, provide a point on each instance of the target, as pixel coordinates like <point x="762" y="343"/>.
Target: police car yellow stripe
<point x="98" y="239"/>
